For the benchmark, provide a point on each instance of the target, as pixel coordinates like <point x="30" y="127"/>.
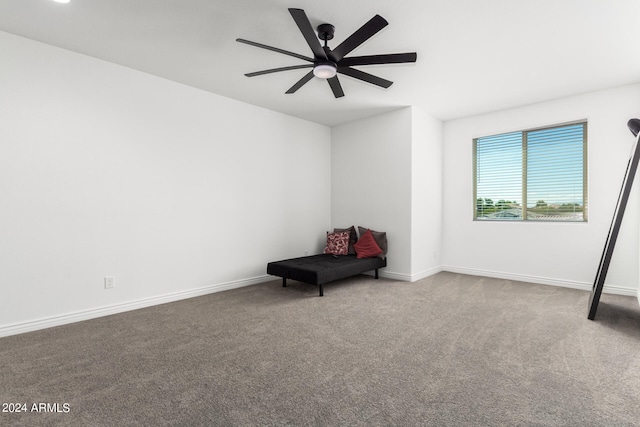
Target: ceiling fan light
<point x="325" y="71"/>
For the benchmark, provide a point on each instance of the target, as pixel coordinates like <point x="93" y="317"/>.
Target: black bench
<point x="323" y="268"/>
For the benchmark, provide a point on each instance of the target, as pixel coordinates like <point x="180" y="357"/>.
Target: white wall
<point x="426" y="197"/>
<point x="106" y="171"/>
<point x="387" y="176"/>
<point x="553" y="253"/>
<point x="371" y="182"/>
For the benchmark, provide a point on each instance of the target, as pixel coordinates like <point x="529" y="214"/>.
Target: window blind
<point x="535" y="175"/>
<point x="499" y="176"/>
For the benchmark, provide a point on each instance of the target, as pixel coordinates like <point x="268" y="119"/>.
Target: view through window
<point x="534" y="175"/>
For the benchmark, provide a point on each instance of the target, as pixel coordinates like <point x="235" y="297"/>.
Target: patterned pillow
<point x="337" y="243"/>
<point x="353" y="237"/>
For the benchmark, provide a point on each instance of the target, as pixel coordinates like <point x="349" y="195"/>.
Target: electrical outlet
<point x="306" y="252"/>
<point x="109" y="282"/>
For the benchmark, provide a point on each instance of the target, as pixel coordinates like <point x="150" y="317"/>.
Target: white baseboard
<point x="410" y="277"/>
<point x="78" y="316"/>
<point x="426" y="273"/>
<point x="395" y="276"/>
<point x="617" y="290"/>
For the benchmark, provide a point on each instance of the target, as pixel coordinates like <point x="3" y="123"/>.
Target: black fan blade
<point x="336" y="87"/>
<point x="275" y="49"/>
<point x="361" y="35"/>
<point x="309" y="34"/>
<point x="366" y="77"/>
<point x="392" y="58"/>
<point x="275" y="70"/>
<point x="301" y="82"/>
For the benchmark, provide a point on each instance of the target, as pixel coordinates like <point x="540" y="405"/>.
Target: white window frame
<point x="524" y="202"/>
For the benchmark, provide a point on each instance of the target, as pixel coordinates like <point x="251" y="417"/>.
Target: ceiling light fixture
<point x="325" y="70"/>
<point x="62" y="1"/>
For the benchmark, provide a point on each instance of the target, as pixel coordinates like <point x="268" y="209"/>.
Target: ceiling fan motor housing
<point x="326" y="31"/>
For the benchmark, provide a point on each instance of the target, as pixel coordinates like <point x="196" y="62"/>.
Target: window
<point x="533" y="175"/>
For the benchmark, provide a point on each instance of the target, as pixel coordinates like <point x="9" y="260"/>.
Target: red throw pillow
<point x="337" y="243"/>
<point x="366" y="246"/>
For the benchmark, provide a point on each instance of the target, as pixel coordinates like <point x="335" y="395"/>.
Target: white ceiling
<point x="474" y="56"/>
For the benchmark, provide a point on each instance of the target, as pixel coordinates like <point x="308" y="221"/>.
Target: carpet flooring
<point x="448" y="350"/>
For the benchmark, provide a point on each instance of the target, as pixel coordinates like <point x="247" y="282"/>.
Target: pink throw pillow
<point x="337" y="243"/>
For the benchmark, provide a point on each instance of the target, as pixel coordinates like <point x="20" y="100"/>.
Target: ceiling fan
<point x="326" y="62"/>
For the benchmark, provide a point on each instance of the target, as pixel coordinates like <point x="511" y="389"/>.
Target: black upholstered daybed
<point x="323" y="268"/>
<point x="328" y="267"/>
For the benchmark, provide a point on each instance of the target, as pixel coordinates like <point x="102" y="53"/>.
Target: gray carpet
<point x="449" y="350"/>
